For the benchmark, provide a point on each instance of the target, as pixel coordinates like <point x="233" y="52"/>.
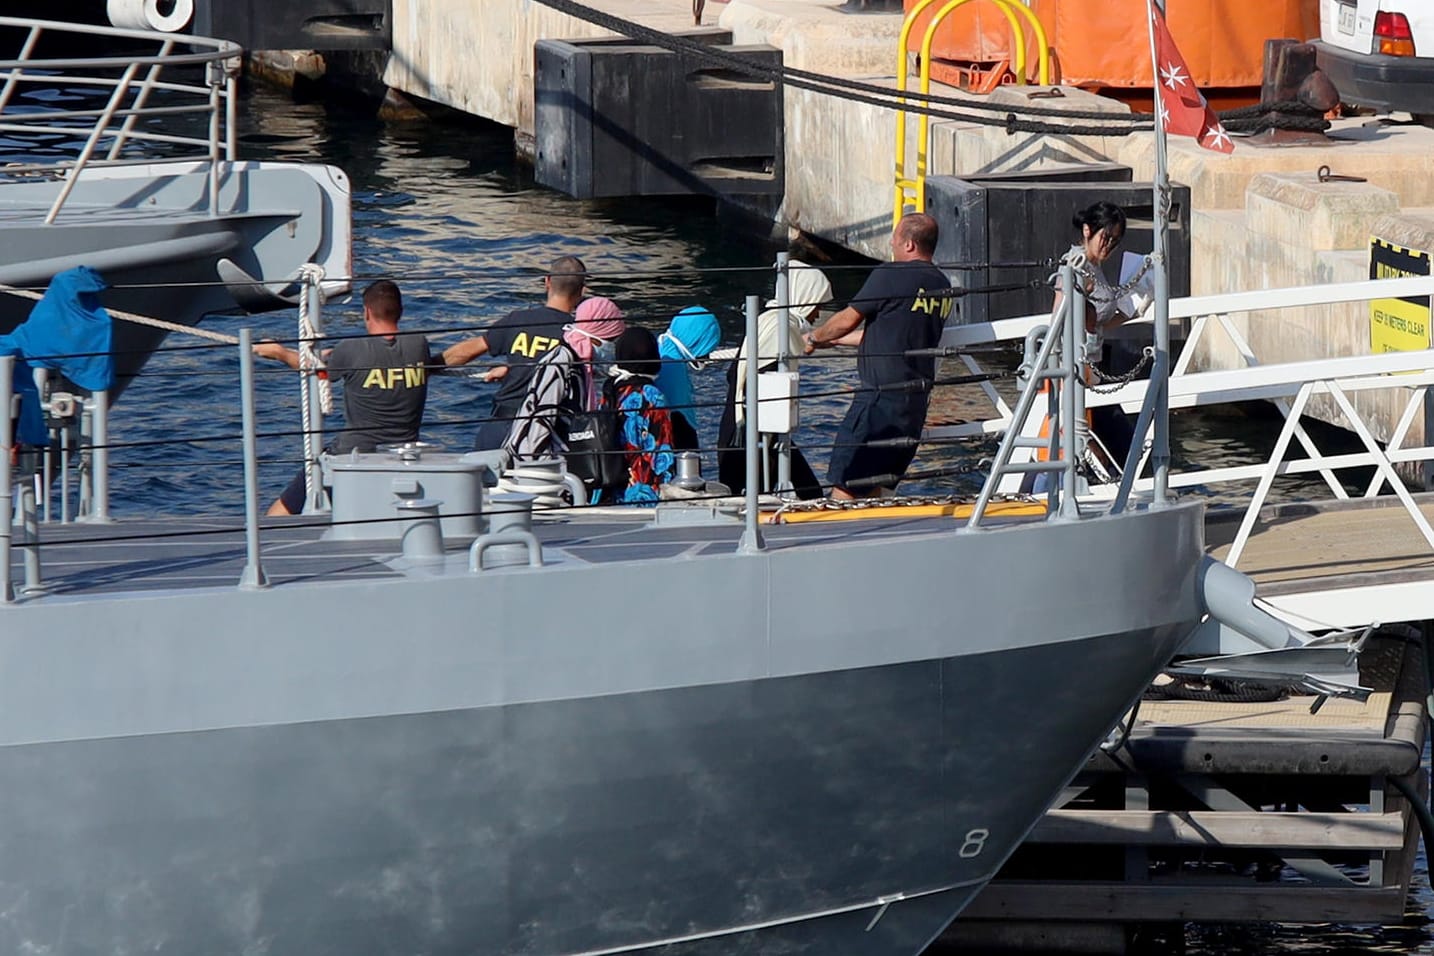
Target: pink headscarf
<point x="596" y="318"/>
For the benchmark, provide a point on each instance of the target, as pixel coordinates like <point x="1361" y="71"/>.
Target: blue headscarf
<point x="67" y="330"/>
<point x="691" y="336"/>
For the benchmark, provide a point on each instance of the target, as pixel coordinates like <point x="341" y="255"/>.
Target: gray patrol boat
<point x="127" y="163"/>
<point x="430" y="723"/>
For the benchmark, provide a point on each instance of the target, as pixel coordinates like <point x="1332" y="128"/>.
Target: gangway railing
<point x="1289" y="386"/>
<point x="136" y="88"/>
<point x="911" y="189"/>
<point x="1054" y="368"/>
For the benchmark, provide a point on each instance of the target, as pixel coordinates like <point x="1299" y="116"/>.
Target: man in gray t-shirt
<point x="385" y="385"/>
<point x="385" y="376"/>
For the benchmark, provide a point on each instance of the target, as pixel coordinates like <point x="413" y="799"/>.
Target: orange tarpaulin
<point x="1103" y="43"/>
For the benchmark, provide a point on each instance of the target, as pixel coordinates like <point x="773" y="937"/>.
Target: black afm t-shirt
<point x="385" y="386"/>
<point x="899" y="316"/>
<point x="521" y="338"/>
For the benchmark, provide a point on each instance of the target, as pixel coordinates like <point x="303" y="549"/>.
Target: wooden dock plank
<point x="1217" y="903"/>
<point x="1313" y="831"/>
<point x="1331" y="543"/>
<point x="1335" y="714"/>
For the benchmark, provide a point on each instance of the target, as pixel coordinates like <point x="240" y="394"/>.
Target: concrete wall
<point x="478" y="56"/>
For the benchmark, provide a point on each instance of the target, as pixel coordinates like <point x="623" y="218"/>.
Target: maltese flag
<point x="1181" y="106"/>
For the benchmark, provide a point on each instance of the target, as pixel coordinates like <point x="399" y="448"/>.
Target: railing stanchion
<point x="100" y="402"/>
<point x="784" y="349"/>
<point x="1071" y="450"/>
<point x="253" y="576"/>
<point x="65" y="474"/>
<point x="231" y="125"/>
<point x="30" y="540"/>
<point x="752" y="541"/>
<point x="215" y="73"/>
<point x="7" y="479"/>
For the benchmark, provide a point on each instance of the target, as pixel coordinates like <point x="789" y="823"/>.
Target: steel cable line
<point x="539" y="272"/>
<point x="302" y="525"/>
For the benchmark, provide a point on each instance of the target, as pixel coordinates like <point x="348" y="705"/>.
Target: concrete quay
<point x="1260" y="217"/>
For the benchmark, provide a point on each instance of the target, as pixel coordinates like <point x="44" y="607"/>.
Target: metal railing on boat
<point x="132" y="80"/>
<point x="91" y="449"/>
<point x="1342" y="388"/>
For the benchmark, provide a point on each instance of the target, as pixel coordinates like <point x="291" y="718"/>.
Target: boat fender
<point x="147" y="15"/>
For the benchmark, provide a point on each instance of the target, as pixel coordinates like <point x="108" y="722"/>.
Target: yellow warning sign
<point x="1397" y="325"/>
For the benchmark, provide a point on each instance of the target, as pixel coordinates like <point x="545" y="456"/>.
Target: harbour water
<point x="447" y="212"/>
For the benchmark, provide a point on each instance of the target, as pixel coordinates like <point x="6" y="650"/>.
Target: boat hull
<point x="792" y="804"/>
<point x="825" y="748"/>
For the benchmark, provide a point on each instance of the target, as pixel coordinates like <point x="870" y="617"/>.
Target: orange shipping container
<point x="1103" y="43"/>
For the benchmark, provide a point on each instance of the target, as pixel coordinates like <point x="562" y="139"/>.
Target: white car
<point x="1380" y="53"/>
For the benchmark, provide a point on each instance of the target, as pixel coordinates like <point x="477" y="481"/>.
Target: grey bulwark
<point x="650" y="744"/>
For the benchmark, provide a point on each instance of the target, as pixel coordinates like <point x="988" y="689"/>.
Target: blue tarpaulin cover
<point x="68" y="330"/>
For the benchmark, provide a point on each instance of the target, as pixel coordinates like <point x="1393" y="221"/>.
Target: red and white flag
<point x="1181" y="105"/>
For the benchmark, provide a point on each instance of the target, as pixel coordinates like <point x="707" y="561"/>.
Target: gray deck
<point x="184" y="553"/>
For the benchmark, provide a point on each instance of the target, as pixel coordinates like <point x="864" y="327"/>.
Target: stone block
<point x="1410" y="229"/>
<point x="1300" y="211"/>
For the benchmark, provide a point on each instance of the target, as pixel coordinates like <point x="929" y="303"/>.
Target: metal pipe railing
<point x="1049" y="366"/>
<point x="784" y="347"/>
<point x="91" y="144"/>
<point x="7" y="478"/>
<point x="214" y="105"/>
<point x="252" y="577"/>
<point x="1072" y="334"/>
<point x="100" y="403"/>
<point x="116" y="122"/>
<point x="13" y="76"/>
<point x="146" y="86"/>
<point x="752" y="541"/>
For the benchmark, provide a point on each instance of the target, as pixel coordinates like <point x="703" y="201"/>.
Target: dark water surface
<point x="448" y="213"/>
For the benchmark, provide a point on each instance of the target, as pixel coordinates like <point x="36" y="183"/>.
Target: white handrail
<point x="128" y="110"/>
<point x="1289" y="385"/>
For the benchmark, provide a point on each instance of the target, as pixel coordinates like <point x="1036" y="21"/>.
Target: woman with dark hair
<point x="1100" y="227"/>
<point x="644" y="422"/>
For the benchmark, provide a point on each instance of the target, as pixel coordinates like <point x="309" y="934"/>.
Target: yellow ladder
<point x="911" y="190"/>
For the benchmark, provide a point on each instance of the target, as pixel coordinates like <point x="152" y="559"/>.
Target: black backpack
<point x="595" y="449"/>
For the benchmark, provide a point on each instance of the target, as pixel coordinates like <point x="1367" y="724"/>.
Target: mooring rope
<point x="138" y="319"/>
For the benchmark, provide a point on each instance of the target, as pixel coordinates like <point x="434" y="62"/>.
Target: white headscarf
<point x="807" y="289"/>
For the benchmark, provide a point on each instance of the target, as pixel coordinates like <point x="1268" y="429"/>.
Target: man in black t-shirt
<point x="520" y="339"/>
<point x="893" y="313"/>
<point x="385" y="376"/>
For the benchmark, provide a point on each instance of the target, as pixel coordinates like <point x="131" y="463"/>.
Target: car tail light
<point x="1392" y="31"/>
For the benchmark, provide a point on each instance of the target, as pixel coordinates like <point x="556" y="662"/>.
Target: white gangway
<point x="1403" y="593"/>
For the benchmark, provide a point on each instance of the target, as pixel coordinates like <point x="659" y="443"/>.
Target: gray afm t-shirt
<point x="385" y="385"/>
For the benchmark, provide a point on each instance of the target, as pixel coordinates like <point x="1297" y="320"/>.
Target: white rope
<point x="138" y="319"/>
<point x="310" y="365"/>
<point x="543" y="482"/>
